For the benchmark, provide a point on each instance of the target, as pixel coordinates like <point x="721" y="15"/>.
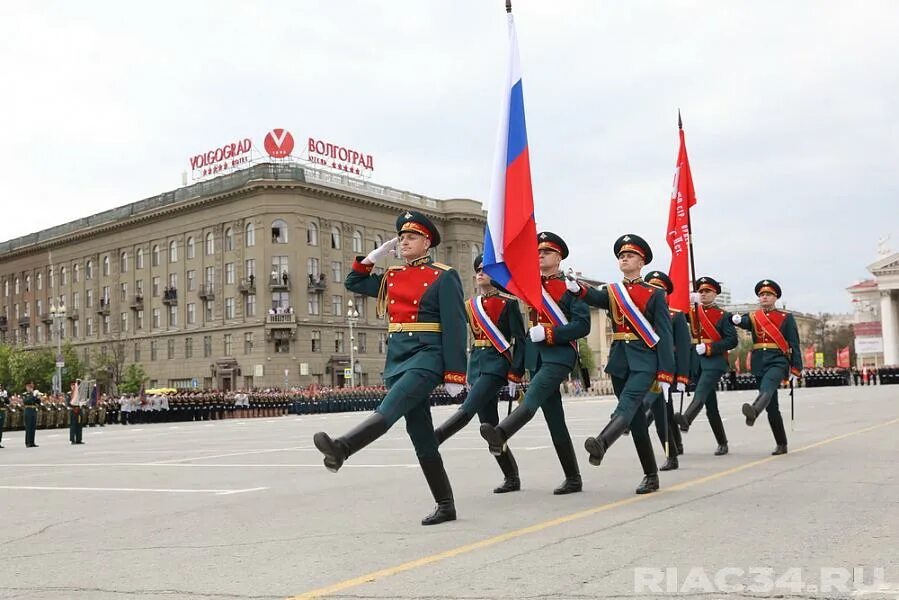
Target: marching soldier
<point x="30" y="403"/>
<point x="496" y="361"/>
<point x="641" y="355"/>
<point x="714" y="337"/>
<point x="4" y="406"/>
<point x="76" y="405"/>
<point x="664" y="421"/>
<point x="424" y="302"/>
<point x="551" y="355"/>
<point x="775" y="357"/>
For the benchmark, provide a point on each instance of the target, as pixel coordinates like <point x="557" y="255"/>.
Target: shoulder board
<point x="507" y="296"/>
<point x="441" y="266"/>
<point x="395" y="268"/>
<point x="652" y="285"/>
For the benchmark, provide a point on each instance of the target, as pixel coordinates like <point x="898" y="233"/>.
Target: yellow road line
<point x="537" y="527"/>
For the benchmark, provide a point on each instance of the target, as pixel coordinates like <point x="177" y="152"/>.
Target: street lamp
<point x="352" y="317"/>
<point x="58" y="315"/>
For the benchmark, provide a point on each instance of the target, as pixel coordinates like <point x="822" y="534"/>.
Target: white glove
<point x="736" y="319"/>
<point x="571" y="283"/>
<point x="665" y="388"/>
<point x="380" y="252"/>
<point x="453" y="389"/>
<point x="793" y="378"/>
<point x="513" y="387"/>
<point x="695" y="298"/>
<point x="680" y="386"/>
<point x="700" y="349"/>
<point x="537" y="333"/>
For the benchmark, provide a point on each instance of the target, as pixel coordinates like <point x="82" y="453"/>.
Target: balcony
<point x="4" y="323"/>
<point x="46" y="318"/>
<point x="247" y="286"/>
<point x="72" y="314"/>
<point x="170" y="297"/>
<point x="281" y="326"/>
<point x="207" y="291"/>
<point x="25" y="321"/>
<point x="279" y="284"/>
<point x="103" y="306"/>
<point x="316" y="285"/>
<point x="137" y="303"/>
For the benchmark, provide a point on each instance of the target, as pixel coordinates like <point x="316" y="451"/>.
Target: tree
<point x="5" y="352"/>
<point x="74" y="368"/>
<point x="108" y="365"/>
<point x="37" y="365"/>
<point x="133" y="379"/>
<point x="587" y="359"/>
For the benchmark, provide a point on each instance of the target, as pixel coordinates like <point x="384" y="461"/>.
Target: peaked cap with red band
<point x="630" y="242"/>
<point x="414" y="221"/>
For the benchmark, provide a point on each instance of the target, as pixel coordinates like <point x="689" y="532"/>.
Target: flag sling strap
<point x="484" y="323"/>
<point x="555" y="314"/>
<point x="763" y="323"/>
<point x="706" y="327"/>
<point x="633" y="314"/>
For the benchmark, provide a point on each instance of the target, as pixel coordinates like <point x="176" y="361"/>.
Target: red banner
<point x="808" y="358"/>
<point x="683" y="196"/>
<point x="843" y="357"/>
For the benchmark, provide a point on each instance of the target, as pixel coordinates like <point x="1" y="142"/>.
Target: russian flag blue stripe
<point x="487" y="325"/>
<point x="518" y="134"/>
<point x="636" y="318"/>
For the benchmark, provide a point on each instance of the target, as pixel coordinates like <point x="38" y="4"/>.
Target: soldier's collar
<point x="420" y="261"/>
<point x="712" y="305"/>
<point x="637" y="279"/>
<point x="491" y="293"/>
<point x="558" y="275"/>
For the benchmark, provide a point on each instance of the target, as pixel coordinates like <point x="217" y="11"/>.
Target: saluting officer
<point x="665" y="427"/>
<point x="642" y="353"/>
<point x="424" y="302"/>
<point x="551" y="354"/>
<point x="714" y="335"/>
<point x="4" y="406"/>
<point x="30" y="403"/>
<point x="775" y="357"/>
<point x="496" y="361"/>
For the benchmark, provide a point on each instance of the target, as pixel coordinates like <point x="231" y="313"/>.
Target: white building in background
<point x="876" y="303"/>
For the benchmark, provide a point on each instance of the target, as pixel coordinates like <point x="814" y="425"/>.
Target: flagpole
<point x="509" y="6"/>
<point x="694" y="322"/>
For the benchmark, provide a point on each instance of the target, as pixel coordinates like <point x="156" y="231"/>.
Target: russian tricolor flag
<point x="510" y="242"/>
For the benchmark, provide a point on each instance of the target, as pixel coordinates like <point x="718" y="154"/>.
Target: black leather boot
<point x="597" y="446"/>
<point x="780" y="435"/>
<point x="457" y="421"/>
<point x="496" y="436"/>
<point x="650" y="481"/>
<point x="752" y="411"/>
<point x="439" y="483"/>
<point x="685" y="419"/>
<point x="337" y="450"/>
<point x="567" y="457"/>
<point x="720" y="436"/>
<point x="512" y="482"/>
<point x="671" y="463"/>
<point x="649" y="484"/>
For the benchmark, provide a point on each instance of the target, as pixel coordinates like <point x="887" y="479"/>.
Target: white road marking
<point x="153" y="490"/>
<point x="317" y="465"/>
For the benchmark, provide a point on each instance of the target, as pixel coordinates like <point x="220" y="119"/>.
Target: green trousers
<point x="483" y="397"/>
<point x="409" y="396"/>
<point x="543" y="393"/>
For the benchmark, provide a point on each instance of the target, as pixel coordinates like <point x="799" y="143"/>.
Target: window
<point x="38" y="280"/>
<point x="248" y="343"/>
<point x="335" y="238"/>
<point x="63" y="279"/>
<point x="170" y="351"/>
<point x="357" y="242"/>
<point x="88" y="272"/>
<point x="156" y="318"/>
<point x="154" y="256"/>
<point x="173" y="252"/>
<point x="316" y="340"/>
<point x="250" y="305"/>
<point x="229" y="239"/>
<point x="282" y="346"/>
<point x="123" y="322"/>
<point x="314" y="304"/>
<point x="338" y="341"/>
<point x="76" y="330"/>
<point x="279" y="269"/>
<point x="6" y="288"/>
<point x="50" y="280"/>
<point x="359" y="303"/>
<point x="188" y="348"/>
<point x="139" y="288"/>
<point x="105" y="296"/>
<point x="76" y="300"/>
<point x="378" y="241"/>
<point x="16" y="289"/>
<point x="250" y="235"/>
<point x="280" y="299"/>
<point x="89" y="326"/>
<point x="76" y="275"/>
<point x="207" y="346"/>
<point x="336" y="271"/>
<point x="136" y="352"/>
<point x="250" y="267"/>
<point x="191" y="248"/>
<point x="227" y="344"/>
<point x="123" y="292"/>
<point x="191" y="280"/>
<point x="139" y="320"/>
<point x="105" y="266"/>
<point x="38" y="307"/>
<point x="155" y="285"/>
<point x="139" y="258"/>
<point x="312" y="234"/>
<point x="88" y="298"/>
<point x="210" y="310"/>
<point x="210" y="244"/>
<point x="382" y="343"/>
<point x="173" y="281"/>
<point x="229" y="273"/>
<point x="279" y="231"/>
<point x="152" y="349"/>
<point x="123" y="262"/>
<point x="209" y="278"/>
<point x="229" y="308"/>
<point x="312" y="267"/>
<point x="191" y="313"/>
<point x="360" y="342"/>
<point x="173" y="315"/>
<point x="105" y="323"/>
<point x="337" y="305"/>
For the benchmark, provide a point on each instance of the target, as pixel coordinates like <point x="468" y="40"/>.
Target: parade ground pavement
<point x="245" y="509"/>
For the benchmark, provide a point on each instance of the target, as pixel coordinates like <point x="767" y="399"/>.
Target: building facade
<point x="235" y="282"/>
<point x="876" y="303"/>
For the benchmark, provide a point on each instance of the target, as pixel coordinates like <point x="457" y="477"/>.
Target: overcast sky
<point x="791" y="111"/>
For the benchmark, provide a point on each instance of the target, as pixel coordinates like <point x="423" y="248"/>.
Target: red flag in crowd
<point x="683" y="196"/>
<point x="843" y="358"/>
<point x="809" y="359"/>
